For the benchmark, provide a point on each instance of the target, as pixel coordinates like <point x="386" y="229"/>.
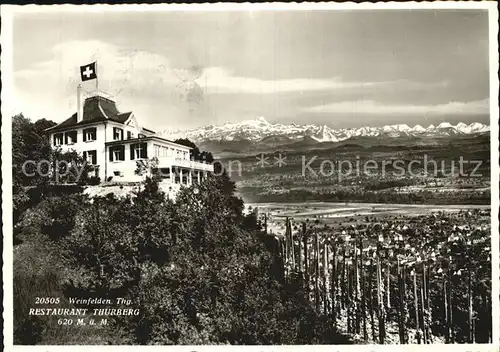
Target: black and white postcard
<point x="278" y="175"/>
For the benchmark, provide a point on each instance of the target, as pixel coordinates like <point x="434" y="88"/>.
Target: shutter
<point x="94" y="134"/>
<point x="144" y="151"/>
<point x="84" y="156"/>
<point x="85" y="135"/>
<point x="94" y="156"/>
<point x="111" y="154"/>
<point x="132" y="150"/>
<point x="122" y="152"/>
<point x="75" y="134"/>
<point x="55" y="138"/>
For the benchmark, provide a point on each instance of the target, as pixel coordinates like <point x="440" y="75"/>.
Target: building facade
<point x="115" y="144"/>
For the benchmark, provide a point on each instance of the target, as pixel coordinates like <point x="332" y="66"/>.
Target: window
<point x="58" y="139"/>
<point x="129" y="135"/>
<point x="117" y="153"/>
<point x="138" y="151"/>
<point x="156" y="150"/>
<point x="117" y="134"/>
<point x="90" y="156"/>
<point x="89" y="134"/>
<point x="165" y="172"/>
<point x="70" y="137"/>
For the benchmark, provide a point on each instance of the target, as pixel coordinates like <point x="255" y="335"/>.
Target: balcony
<point x="168" y="161"/>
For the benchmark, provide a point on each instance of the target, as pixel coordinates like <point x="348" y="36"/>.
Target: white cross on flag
<point x="88" y="72"/>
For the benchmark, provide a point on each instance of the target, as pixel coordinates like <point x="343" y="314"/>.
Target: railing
<point x="167" y="161"/>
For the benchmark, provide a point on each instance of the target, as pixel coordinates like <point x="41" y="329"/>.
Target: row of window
<point x="90" y="134"/>
<point x="71" y="137"/>
<point x="162" y="151"/>
<point x="137" y="151"/>
<point x="178" y="176"/>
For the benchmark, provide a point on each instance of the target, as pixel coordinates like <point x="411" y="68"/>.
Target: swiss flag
<point x="88" y="72"/>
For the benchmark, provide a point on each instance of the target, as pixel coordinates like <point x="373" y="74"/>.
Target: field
<point x="349" y="213"/>
<point x="409" y="171"/>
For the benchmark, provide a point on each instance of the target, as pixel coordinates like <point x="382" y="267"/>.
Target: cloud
<point x="218" y="80"/>
<point x="375" y="108"/>
<point x="130" y="72"/>
<point x="116" y="66"/>
<point x="48" y="88"/>
<point x="147" y="83"/>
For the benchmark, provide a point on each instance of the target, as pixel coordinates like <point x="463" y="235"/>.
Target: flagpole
<point x="96" y="78"/>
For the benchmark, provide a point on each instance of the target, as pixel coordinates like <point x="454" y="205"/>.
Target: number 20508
<point x="47" y="300"/>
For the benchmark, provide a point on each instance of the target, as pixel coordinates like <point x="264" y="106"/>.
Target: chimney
<point x="79" y="110"/>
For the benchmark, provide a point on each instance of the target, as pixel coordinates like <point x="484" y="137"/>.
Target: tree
<point x="199" y="270"/>
<point x="28" y="143"/>
<point x="196" y="154"/>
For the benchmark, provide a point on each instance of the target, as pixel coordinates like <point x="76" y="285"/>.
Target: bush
<point x="94" y="180"/>
<point x="60" y="215"/>
<point x="199" y="269"/>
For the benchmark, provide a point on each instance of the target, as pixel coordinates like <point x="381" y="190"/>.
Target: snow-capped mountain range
<point x="259" y="129"/>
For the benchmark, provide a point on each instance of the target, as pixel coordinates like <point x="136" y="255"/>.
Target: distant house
<point x="115" y="142"/>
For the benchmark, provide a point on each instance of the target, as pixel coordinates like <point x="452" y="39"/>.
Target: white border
<point x="8" y="11"/>
<point x="271" y="6"/>
<point x="7" y="228"/>
<point x="494" y="121"/>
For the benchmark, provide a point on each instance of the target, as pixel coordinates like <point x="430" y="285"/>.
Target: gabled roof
<point x="95" y="109"/>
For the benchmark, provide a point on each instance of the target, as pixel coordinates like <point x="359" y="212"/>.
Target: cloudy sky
<point x="340" y="68"/>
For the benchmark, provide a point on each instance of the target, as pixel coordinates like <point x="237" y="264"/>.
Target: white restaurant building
<point x="114" y="142"/>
